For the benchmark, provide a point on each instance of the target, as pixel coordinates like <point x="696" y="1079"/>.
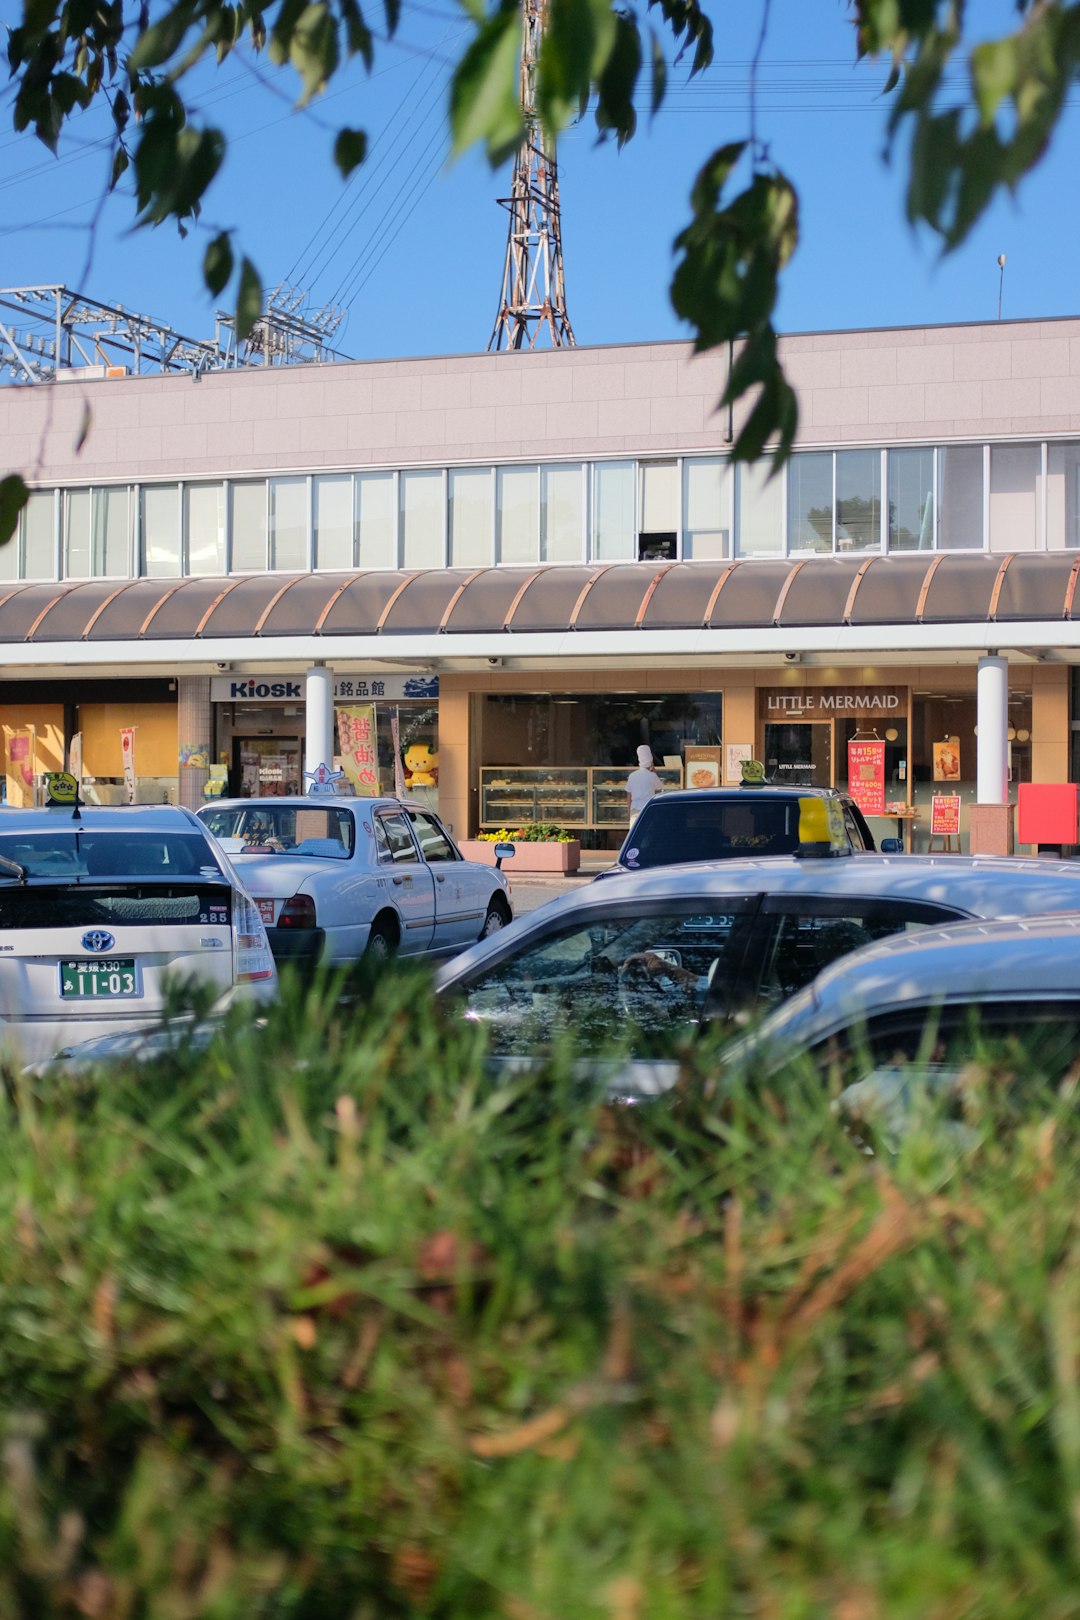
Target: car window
<point x="74" y="853"/>
<point x="643" y="976"/>
<point x="858" y="832"/>
<point x="396" y="843"/>
<point x="315" y="830"/>
<point x="712" y="829"/>
<point x="434" y="844"/>
<point x="803" y="937"/>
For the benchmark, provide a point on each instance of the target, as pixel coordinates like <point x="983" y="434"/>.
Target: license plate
<point x="109" y="979"/>
<point x="266" y="910"/>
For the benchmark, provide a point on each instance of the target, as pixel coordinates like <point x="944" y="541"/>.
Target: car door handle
<point x="439" y="877"/>
<point x="403" y="878"/>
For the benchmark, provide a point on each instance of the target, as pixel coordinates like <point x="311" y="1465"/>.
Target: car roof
<point x="983" y="885"/>
<point x="770" y="790"/>
<point x="1012" y="959"/>
<point x="102" y="818"/>
<point x="314" y="801"/>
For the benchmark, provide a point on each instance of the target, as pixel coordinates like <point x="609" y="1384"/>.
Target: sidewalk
<point x="532" y="889"/>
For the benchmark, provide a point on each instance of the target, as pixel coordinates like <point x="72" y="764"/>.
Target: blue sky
<point x="412" y="249"/>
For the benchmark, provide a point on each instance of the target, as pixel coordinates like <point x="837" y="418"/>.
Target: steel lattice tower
<point x="533" y="292"/>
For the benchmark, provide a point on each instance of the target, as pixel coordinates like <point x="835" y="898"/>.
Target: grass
<point x="322" y="1323"/>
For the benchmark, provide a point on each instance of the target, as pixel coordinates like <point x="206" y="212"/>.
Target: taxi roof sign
<point x="62" y="788"/>
<point x="821" y="828"/>
<point x="752" y="772"/>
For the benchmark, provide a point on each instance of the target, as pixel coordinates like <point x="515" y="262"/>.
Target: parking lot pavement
<point x="534" y="889"/>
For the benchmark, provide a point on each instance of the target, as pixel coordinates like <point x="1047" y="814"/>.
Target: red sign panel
<point x="945" y="815"/>
<point x="866" y="776"/>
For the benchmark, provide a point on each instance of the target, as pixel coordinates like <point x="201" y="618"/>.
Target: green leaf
<point x="13" y="497"/>
<point x="249" y="300"/>
<point x="350" y="150"/>
<point x="485" y="103"/>
<point x="313" y="49"/>
<point x="218" y="264"/>
<point x="119" y="166"/>
<point x="618" y="81"/>
<point x="156" y="44"/>
<point x="578" y="40"/>
<point x="659" y="75"/>
<point x="85" y="423"/>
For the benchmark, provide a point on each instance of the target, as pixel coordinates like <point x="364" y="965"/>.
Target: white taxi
<point x="102" y="910"/>
<point x="337" y="879"/>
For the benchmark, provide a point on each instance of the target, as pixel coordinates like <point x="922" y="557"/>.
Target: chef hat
<point x="644" y="755"/>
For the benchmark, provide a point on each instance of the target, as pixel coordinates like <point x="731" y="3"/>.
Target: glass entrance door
<point x="267" y="767"/>
<point x="798" y="753"/>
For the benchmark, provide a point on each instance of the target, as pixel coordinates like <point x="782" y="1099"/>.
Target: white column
<point x="992" y="785"/>
<point x="319" y="718"/>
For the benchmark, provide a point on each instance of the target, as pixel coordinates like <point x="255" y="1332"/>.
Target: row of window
<point x="1000" y="497"/>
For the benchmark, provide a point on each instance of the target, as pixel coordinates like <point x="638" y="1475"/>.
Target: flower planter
<point x="529" y="856"/>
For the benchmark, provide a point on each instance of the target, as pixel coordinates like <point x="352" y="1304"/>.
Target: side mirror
<point x="503" y="852"/>
<point x="890" y="846"/>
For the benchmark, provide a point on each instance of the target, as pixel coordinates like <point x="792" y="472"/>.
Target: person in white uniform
<point x="642" y="783"/>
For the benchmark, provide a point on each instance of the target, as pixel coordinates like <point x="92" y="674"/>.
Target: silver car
<point x="653" y="954"/>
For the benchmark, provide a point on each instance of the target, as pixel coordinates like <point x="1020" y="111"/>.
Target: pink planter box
<point x="528" y="858"/>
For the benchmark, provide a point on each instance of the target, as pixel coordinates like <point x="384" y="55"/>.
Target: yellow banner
<point x="356" y="744"/>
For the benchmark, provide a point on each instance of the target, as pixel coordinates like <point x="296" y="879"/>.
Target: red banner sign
<point x="866" y="776"/>
<point x="944" y="815"/>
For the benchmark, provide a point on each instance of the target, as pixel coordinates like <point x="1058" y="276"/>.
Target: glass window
<point x="434" y="844"/>
<point x="562" y="513"/>
<point x="334" y="543"/>
<point x="77" y="534"/>
<point x="858" y="500"/>
<point x="810" y="502"/>
<point x="659" y="497"/>
<point x="399" y="844"/>
<point x="960" y="497"/>
<point x="375" y="520"/>
<point x="204" y="506"/>
<point x="112" y="532"/>
<point x="803" y="937"/>
<point x="760" y="508"/>
<point x="471" y="516"/>
<point x="614" y="532"/>
<point x="1015" y="480"/>
<point x="33" y="554"/>
<point x="911" y="500"/>
<point x="420" y="496"/>
<point x="1063" y="496"/>
<point x="247" y="514"/>
<point x="288" y="523"/>
<point x="517" y="515"/>
<point x="707" y="492"/>
<point x="162" y="554"/>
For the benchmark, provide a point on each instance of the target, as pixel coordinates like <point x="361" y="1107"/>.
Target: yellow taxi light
<point x="821" y="828"/>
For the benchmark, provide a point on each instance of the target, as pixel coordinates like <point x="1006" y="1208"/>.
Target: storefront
<point x="119" y="737"/>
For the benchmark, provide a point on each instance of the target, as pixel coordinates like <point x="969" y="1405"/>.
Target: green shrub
<point x="327" y="1322"/>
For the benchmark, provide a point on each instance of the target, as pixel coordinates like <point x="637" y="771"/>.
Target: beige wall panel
<point x="46" y="721"/>
<point x="155" y="738"/>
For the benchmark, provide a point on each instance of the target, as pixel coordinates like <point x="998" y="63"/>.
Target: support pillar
<point x="319" y="718"/>
<point x="194" y="724"/>
<point x="990" y="820"/>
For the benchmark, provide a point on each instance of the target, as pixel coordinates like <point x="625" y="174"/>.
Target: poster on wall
<point x="21" y="749"/>
<point x="195" y="756"/>
<point x="127" y="752"/>
<point x="866" y="776"/>
<point x="702" y="766"/>
<point x="356" y="748"/>
<point x="945" y="815"/>
<point x="947" y="760"/>
<point x="735" y="757"/>
<point x="75" y="756"/>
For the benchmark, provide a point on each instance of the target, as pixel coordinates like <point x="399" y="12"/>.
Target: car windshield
<point x="712" y="829"/>
<point x="310" y="831"/>
<point x="74" y="852"/>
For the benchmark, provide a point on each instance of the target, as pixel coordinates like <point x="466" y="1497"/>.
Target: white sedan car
<point x="337" y="878"/>
<point x="101" y="908"/>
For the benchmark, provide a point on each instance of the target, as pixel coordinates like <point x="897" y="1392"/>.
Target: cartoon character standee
<point x="421" y="766"/>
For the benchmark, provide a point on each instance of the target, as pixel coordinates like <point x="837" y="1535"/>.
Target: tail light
<point x="299" y="912"/>
<point x="251" y="948"/>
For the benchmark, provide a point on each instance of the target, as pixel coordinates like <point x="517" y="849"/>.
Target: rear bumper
<point x="298" y="945"/>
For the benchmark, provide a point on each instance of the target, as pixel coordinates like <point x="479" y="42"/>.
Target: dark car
<point x="714" y="824"/>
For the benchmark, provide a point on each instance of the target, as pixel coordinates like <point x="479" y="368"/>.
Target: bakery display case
<point x="570" y="795"/>
<point x="510" y="795"/>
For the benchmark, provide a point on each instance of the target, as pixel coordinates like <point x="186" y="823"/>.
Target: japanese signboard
<point x="356" y="746"/>
<point x="127" y="754"/>
<point x="945" y="815"/>
<point x="866" y="776"/>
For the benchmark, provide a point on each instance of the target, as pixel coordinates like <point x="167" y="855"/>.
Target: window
<point x="471" y="516"/>
<point x="810" y="502"/>
<point x="1015" y="489"/>
<point x="517" y="515"/>
<point x="801" y="937"/>
<point x="420" y="502"/>
<point x="399" y="845"/>
<point x="434" y="844"/>
<point x="858" y="500"/>
<point x="911" y="500"/>
<point x="960" y="497"/>
<point x="375" y="520"/>
<point x="161" y="531"/>
<point x="562" y="513"/>
<point x="707" y="495"/>
<point x="760" y="509"/>
<point x="247" y="522"/>
<point x="32" y="553"/>
<point x="334" y="529"/>
<point x="658" y="504"/>
<point x="1063" y="496"/>
<point x="205" y="527"/>
<point x="613" y="511"/>
<point x="288" y="523"/>
<point x="97" y="533"/>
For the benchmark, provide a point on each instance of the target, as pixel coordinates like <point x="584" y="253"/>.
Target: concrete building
<point x="529" y="562"/>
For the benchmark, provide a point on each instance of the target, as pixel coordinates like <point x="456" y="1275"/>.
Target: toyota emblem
<point x="98" y="939"/>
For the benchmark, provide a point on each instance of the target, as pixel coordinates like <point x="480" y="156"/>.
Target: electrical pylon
<point x="533" y="292"/>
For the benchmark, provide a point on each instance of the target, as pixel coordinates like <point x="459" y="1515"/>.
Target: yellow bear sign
<point x="421" y="766"/>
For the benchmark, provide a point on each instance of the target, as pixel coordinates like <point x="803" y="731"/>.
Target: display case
<point x="569" y="795"/>
<point x="513" y="795"/>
